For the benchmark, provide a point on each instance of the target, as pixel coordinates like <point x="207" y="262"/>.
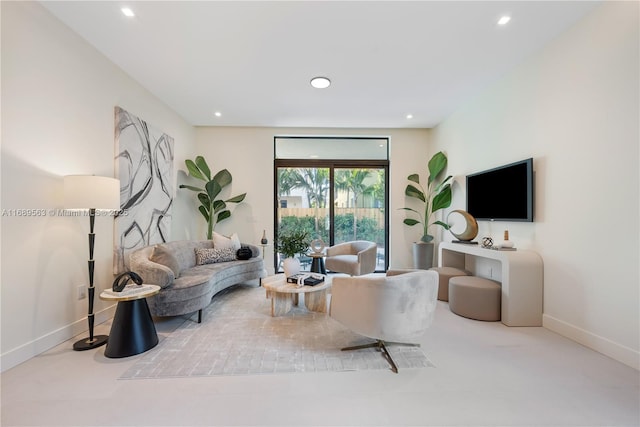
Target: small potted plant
<point x="290" y="244"/>
<point x="436" y="196"/>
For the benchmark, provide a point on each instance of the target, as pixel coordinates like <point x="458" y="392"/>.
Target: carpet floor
<point x="238" y="336"/>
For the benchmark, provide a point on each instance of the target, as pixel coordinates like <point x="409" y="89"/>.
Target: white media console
<point x="520" y="273"/>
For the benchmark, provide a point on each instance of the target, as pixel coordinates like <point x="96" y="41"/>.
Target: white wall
<point x="58" y="99"/>
<point x="248" y="154"/>
<point x="573" y="107"/>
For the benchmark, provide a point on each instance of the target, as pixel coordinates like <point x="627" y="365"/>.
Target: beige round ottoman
<point x="444" y="274"/>
<point x="475" y="297"/>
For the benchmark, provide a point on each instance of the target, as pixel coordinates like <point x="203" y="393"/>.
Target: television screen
<point x="504" y="193"/>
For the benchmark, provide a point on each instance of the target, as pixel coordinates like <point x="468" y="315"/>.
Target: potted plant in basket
<point x="290" y="244"/>
<point x="436" y="196"/>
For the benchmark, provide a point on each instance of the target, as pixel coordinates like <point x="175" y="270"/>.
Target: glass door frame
<point x="331" y="165"/>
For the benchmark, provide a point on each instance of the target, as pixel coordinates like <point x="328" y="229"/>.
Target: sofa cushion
<point x="213" y="255"/>
<point x="222" y="242"/>
<point x="165" y="256"/>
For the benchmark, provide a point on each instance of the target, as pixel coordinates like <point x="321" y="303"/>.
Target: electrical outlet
<point x="82" y="292"/>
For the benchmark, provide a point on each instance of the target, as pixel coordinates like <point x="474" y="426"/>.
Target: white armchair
<point x="398" y="307"/>
<point x="354" y="258"/>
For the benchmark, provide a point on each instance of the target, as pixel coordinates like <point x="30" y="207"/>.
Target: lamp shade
<point x="90" y="191"/>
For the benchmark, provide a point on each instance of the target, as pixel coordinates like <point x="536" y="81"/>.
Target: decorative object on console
<point x="123" y="279"/>
<point x="487" y="242"/>
<point x="264" y="240"/>
<point x="91" y="192"/>
<point x="471" y="226"/>
<point x="436" y="196"/>
<point x="506" y="243"/>
<point x="212" y="209"/>
<point x="144" y="165"/>
<point x="290" y="244"/>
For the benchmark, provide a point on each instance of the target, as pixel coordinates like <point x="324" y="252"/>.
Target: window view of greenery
<point x="359" y="205"/>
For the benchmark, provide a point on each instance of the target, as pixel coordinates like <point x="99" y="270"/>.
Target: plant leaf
<point x="193" y="170"/>
<point x="447" y="179"/>
<point x="411" y="221"/>
<point x="191" y="187"/>
<point x="446" y="226"/>
<point x="223" y="178"/>
<point x="442" y="199"/>
<point x="412" y="191"/>
<point x="223" y="215"/>
<point x="436" y="165"/>
<point x="237" y="199"/>
<point x="414" y="177"/>
<point x="218" y="205"/>
<point x="204" y="213"/>
<point x="213" y="189"/>
<point x="204" y="199"/>
<point x="204" y="167"/>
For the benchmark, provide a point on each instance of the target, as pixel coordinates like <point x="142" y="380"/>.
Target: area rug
<point x="238" y="336"/>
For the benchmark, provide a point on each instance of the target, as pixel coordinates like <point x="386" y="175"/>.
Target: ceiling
<point x="252" y="61"/>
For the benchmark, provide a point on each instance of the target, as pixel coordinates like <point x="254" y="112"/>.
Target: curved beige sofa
<point x="196" y="284"/>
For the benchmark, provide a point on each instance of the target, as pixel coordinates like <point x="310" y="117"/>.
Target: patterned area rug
<point x="238" y="336"/>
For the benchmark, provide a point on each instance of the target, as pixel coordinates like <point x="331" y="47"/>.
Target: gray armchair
<point x="354" y="258"/>
<point x="398" y="307"/>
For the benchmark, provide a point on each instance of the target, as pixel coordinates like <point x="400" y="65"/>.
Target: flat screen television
<point x="504" y="193"/>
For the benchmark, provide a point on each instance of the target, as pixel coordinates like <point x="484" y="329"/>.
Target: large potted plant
<point x="290" y="244"/>
<point x="212" y="209"/>
<point x="436" y="196"/>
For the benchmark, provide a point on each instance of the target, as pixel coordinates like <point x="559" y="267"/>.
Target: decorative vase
<point x="264" y="240"/>
<point x="423" y="255"/>
<point x="291" y="266"/>
<point x="506" y="243"/>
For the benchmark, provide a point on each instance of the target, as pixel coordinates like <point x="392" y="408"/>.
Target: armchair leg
<point x="379" y="345"/>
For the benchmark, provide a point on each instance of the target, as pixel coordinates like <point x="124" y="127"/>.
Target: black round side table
<point x="132" y="330"/>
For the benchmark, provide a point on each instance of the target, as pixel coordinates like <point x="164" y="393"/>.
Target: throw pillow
<point x="221" y="242"/>
<point x="213" y="255"/>
<point x="163" y="255"/>
<point x="244" y="253"/>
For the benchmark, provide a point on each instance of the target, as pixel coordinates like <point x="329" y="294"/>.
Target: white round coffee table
<point x="284" y="295"/>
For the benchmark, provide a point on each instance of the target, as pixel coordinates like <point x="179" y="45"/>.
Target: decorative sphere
<point x="487" y="242"/>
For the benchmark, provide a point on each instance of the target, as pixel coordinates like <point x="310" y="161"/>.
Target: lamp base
<point x="86" y="344"/>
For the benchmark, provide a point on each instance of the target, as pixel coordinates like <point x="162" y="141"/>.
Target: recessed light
<point x="217" y="114"/>
<point x="127" y="12"/>
<point x="504" y="20"/>
<point x="409" y="116"/>
<point x="320" y="82"/>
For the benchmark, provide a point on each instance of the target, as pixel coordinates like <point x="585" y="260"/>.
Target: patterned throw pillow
<point x="163" y="255"/>
<point x="213" y="255"/>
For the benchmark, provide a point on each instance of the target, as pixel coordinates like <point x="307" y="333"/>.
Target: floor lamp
<point x="88" y="193"/>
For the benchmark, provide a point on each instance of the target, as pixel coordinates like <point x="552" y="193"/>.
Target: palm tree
<point x="314" y="182"/>
<point x="353" y="181"/>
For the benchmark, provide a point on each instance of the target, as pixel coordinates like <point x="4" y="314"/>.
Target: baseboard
<point x="600" y="344"/>
<point x="33" y="348"/>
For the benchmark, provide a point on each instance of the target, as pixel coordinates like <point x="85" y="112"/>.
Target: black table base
<point x="317" y="265"/>
<point x="132" y="331"/>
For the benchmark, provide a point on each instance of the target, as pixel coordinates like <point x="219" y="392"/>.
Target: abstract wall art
<point x="144" y="165"/>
